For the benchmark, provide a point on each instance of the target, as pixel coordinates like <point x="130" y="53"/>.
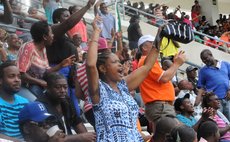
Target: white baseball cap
<point x="145" y="38"/>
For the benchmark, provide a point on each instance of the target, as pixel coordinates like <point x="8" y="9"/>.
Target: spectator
<point x="49" y="7"/>
<point x="191" y="73"/>
<point x="110" y="95"/>
<point x="81" y="84"/>
<point x="108" y="20"/>
<point x="16" y="7"/>
<point x="37" y="125"/>
<point x="10" y="102"/>
<point x="79" y="28"/>
<point x="187" y="21"/>
<point x="7" y="16"/>
<point x="185" y="110"/>
<point x="32" y="60"/>
<point x="142" y="6"/>
<point x="63" y="47"/>
<point x="33" y="13"/>
<point x="77" y="40"/>
<point x="135" y="61"/>
<point x="11" y="52"/>
<point x="164" y="127"/>
<point x="159" y="15"/>
<point x="165" y="11"/>
<point x="3" y="44"/>
<point x="221" y="17"/>
<point x="211" y="42"/>
<point x="58" y="104"/>
<point x="186" y="87"/>
<point x="128" y="10"/>
<point x="157" y="90"/>
<point x="195" y="13"/>
<point x="208" y="132"/>
<point x="182" y="133"/>
<point x="150" y="9"/>
<point x="211" y="100"/>
<point x="214" y="76"/>
<point x="124" y="52"/>
<point x="134" y="32"/>
<point x="225" y="37"/>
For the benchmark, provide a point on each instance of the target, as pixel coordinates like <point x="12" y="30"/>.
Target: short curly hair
<point x="206" y="99"/>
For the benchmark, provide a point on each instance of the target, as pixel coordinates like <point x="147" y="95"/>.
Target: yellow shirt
<point x="168" y="49"/>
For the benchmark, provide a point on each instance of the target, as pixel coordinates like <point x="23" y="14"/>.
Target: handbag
<point x="178" y="31"/>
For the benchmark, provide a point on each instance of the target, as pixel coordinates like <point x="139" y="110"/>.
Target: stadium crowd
<point x="46" y="72"/>
<point x="198" y="21"/>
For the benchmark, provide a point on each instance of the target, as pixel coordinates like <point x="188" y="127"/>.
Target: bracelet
<point x="94" y="41"/>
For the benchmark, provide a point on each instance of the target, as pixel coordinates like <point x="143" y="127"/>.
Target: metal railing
<point x="148" y="20"/>
<point x="14" y="27"/>
<point x="26" y="18"/>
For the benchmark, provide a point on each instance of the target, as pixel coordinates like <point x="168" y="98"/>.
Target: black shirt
<point x="69" y="113"/>
<point x="133" y="34"/>
<point x="60" y="49"/>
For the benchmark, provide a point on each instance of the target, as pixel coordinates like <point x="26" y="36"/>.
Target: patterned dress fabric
<point x="116" y="115"/>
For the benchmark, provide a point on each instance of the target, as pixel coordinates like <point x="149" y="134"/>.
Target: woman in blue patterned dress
<point x="115" y="110"/>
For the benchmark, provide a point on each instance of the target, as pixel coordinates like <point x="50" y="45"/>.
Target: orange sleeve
<point x="139" y="125"/>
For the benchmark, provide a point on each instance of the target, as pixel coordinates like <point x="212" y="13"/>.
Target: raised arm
<point x="119" y="43"/>
<point x="96" y="7"/>
<point x="62" y="28"/>
<point x="179" y="59"/>
<point x="7" y="17"/>
<point x="91" y="68"/>
<point x="134" y="79"/>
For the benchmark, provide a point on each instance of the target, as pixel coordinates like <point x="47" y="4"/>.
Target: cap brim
<point x="42" y="117"/>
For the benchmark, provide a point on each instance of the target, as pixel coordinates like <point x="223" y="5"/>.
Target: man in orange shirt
<point x="157" y="90"/>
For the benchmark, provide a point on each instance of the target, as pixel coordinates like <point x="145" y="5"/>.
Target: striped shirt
<point x="9" y="116"/>
<point x="221" y="124"/>
<point x="83" y="81"/>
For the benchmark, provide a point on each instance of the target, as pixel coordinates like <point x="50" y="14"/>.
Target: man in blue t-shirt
<point x="214" y="76"/>
<point x="10" y="102"/>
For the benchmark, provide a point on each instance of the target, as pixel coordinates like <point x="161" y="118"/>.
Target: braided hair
<point x="102" y="57"/>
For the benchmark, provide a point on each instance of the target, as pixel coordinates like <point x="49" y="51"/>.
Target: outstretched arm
<point x="7" y="17"/>
<point x="134" y="79"/>
<point x="62" y="28"/>
<point x="91" y="68"/>
<point x="96" y="7"/>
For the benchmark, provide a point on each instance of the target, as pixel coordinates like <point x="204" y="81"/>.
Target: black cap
<point x="191" y="68"/>
<point x="178" y="102"/>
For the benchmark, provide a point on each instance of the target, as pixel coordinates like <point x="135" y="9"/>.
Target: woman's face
<point x="214" y="102"/>
<point x="113" y="68"/>
<point x="187" y="106"/>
